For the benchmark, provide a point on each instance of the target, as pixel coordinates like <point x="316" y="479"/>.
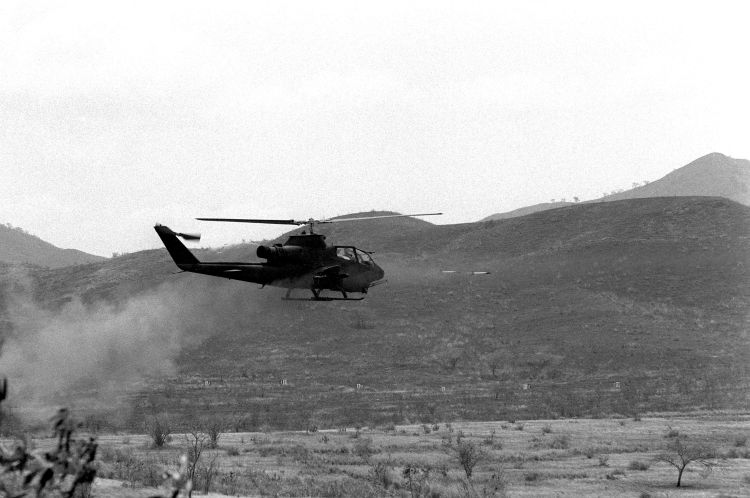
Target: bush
<point x="468" y="456"/>
<point x="415" y="480"/>
<point x="66" y="470"/>
<point x="363" y="448"/>
<point x="561" y="442"/>
<point x="637" y="465"/>
<point x="491" y="442"/>
<point x="159" y="430"/>
<point x="214" y="427"/>
<point x="671" y="432"/>
<point x="546" y="429"/>
<point x="381" y="474"/>
<point x="532" y="476"/>
<point x="615" y="474"/>
<point x="736" y="453"/>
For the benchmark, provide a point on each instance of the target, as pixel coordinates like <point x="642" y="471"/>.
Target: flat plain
<point x="563" y="457"/>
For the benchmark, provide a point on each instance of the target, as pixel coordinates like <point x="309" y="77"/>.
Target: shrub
<point x="459" y="436"/>
<point x="532" y="476"/>
<point x="637" y="465"/>
<point x="671" y="432"/>
<point x="490" y="439"/>
<point x="546" y="429"/>
<point x="67" y="470"/>
<point x="158" y="429"/>
<point x="363" y="448"/>
<point x="740" y="441"/>
<point x="736" y="453"/>
<point x="205" y="474"/>
<point x="381" y="474"/>
<point x="495" y="486"/>
<point x="603" y="459"/>
<point x="214" y="427"/>
<point x="615" y="474"/>
<point x="415" y="480"/>
<point x="561" y="442"/>
<point x="468" y="456"/>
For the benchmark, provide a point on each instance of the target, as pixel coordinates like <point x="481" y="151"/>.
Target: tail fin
<point x="180" y="254"/>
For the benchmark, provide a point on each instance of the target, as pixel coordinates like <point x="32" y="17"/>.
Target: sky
<point x="118" y="115"/>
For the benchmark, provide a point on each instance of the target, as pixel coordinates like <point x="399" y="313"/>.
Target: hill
<point x="651" y="293"/>
<point x="544" y="206"/>
<point x="713" y="175"/>
<point x="17" y="246"/>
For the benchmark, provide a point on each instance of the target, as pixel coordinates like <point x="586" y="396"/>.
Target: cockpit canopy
<point x="351" y="253"/>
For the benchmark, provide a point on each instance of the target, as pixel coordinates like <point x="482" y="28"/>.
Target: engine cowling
<point x="281" y="253"/>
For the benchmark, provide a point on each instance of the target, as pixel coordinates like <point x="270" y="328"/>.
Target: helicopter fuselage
<point x="302" y="262"/>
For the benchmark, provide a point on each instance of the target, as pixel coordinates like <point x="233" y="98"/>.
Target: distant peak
<point x="712" y="158"/>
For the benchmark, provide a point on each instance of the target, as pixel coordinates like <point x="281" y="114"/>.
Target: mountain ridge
<point x="712" y="175"/>
<point x="18" y="246"/>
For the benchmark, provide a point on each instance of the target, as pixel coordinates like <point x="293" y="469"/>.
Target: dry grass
<point x="333" y="463"/>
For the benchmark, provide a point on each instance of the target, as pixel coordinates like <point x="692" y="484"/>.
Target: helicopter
<point x="304" y="261"/>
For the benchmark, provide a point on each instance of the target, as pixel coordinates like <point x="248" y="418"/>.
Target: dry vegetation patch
<point x="598" y="458"/>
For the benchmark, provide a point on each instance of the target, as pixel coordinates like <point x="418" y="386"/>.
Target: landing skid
<point x="322" y="298"/>
<point x="318" y="297"/>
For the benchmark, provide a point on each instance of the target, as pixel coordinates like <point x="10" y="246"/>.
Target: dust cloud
<point x="90" y="355"/>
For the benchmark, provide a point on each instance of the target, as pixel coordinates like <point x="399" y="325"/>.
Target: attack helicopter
<point x="304" y="261"/>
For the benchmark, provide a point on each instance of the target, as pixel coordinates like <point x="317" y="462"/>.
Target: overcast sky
<point x="116" y="115"/>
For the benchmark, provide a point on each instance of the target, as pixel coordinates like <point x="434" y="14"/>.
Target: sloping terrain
<point x="17" y="246"/>
<point x="713" y="175"/>
<point x="652" y="294"/>
<point x="544" y="206"/>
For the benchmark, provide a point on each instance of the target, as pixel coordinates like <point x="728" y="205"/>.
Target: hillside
<point x="544" y="206"/>
<point x="17" y="246"/>
<point x="713" y="175"/>
<point x="653" y="293"/>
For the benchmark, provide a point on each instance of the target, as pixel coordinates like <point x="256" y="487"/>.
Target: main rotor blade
<point x="337" y="220"/>
<point x="246" y="220"/>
